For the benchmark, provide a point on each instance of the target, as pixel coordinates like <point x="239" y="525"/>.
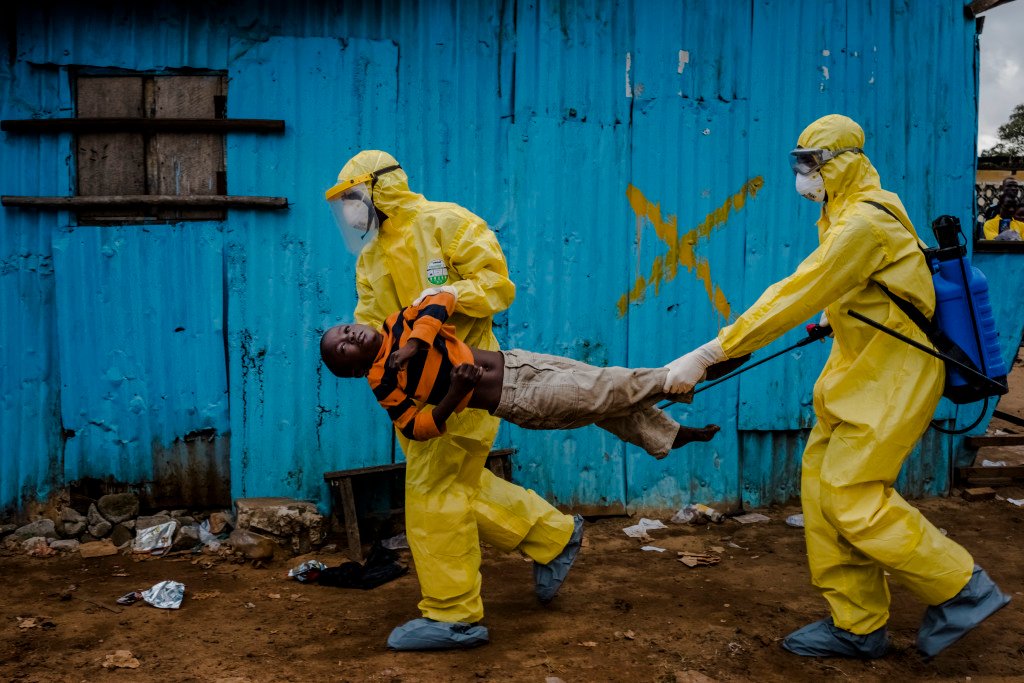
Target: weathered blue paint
<point x="289" y="277"/>
<point x="30" y="466"/>
<point x="141" y="347"/>
<point x="553" y="121"/>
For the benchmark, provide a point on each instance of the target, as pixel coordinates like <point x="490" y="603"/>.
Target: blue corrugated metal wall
<point x="31" y="464"/>
<point x="630" y="155"/>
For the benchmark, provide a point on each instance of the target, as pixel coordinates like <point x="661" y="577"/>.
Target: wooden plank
<point x="109" y="163"/>
<point x="348" y="502"/>
<point x="612" y="510"/>
<point x="496" y="453"/>
<point x="139" y="125"/>
<point x="979" y="473"/>
<point x="1007" y="417"/>
<point x="980" y="493"/>
<point x="219" y="201"/>
<point x="978" y="6"/>
<point x="185" y="163"/>
<point x="976" y="442"/>
<point x="340" y="474"/>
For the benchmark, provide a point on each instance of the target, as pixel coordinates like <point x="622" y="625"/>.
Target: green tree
<point x="1011" y="136"/>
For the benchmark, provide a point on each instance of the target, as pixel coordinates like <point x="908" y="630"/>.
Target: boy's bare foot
<point x="687" y="434"/>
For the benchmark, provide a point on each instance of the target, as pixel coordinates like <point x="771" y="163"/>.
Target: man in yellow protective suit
<point x="873" y="401"/>
<point x="409" y="247"/>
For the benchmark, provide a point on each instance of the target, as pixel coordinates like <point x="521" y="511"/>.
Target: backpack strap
<point x="912" y="311"/>
<point x="886" y="209"/>
<point x="939" y="339"/>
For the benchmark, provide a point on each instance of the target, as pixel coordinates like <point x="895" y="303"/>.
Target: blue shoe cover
<point x="428" y="634"/>
<point x="950" y="621"/>
<point x="824" y="639"/>
<point x="548" y="577"/>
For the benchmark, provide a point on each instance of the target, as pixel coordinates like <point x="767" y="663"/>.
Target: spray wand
<point x="815" y="333"/>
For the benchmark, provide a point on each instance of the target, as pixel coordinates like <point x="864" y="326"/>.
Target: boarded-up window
<point x="132" y="163"/>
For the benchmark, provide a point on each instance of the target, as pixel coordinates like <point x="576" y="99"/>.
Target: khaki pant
<point x="551" y="392"/>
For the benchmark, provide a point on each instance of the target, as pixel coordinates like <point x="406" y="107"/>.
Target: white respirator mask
<point x="811" y="186"/>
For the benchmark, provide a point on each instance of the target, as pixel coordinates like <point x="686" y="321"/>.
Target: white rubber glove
<point x="823" y="322"/>
<point x="430" y="291"/>
<point x="684" y="372"/>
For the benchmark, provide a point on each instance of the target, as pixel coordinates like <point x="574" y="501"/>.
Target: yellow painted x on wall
<point x="681" y="250"/>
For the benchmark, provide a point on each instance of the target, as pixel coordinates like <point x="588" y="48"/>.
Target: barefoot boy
<point x="417" y="358"/>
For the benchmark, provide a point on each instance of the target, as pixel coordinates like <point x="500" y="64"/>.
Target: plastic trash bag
<point x="165" y="595"/>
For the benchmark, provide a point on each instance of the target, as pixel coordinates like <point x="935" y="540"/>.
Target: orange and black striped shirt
<point x="427" y="376"/>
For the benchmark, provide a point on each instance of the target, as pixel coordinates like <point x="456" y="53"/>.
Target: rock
<point x="97" y="549"/>
<point x="294" y="523"/>
<point x="120" y="659"/>
<point x="100" y="528"/>
<point x="69" y="545"/>
<point x="71" y="524"/>
<point x="184" y="520"/>
<point x="129" y="524"/>
<point x="6" y="529"/>
<point x="186" y="538"/>
<point x="117" y="507"/>
<point x="153" y="520"/>
<point x="40" y="527"/>
<point x="121" y="535"/>
<point x="220" y="521"/>
<point x="177" y="514"/>
<point x="93" y="515"/>
<point x="252" y="545"/>
<point x="37" y="547"/>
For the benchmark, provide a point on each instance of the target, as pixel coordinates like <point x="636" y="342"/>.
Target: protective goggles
<point x="807" y="161"/>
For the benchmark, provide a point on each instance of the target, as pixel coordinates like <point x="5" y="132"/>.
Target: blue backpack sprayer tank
<point x="963" y="329"/>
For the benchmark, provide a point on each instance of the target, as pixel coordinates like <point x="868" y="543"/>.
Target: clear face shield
<point x="806" y="161"/>
<point x="355" y="217"/>
<point x="352" y="207"/>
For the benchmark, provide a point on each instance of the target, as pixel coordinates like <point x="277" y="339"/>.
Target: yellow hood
<point x="848" y="173"/>
<point x="390" y="193"/>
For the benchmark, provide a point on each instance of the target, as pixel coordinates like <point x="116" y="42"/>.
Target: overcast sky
<point x="1002" y="69"/>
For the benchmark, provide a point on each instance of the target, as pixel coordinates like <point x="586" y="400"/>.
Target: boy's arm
<point x="430" y="315"/>
<point x="421" y="425"/>
<point x="464" y="378"/>
<point x="426" y="319"/>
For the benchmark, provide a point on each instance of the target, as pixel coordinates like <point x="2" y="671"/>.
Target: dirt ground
<point x="623" y="614"/>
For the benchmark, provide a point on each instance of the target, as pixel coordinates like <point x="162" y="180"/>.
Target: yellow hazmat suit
<point x="873" y="400"/>
<point x="452" y="501"/>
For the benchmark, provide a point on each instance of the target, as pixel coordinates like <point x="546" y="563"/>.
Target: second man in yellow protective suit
<point x="873" y="401"/>
<point x="407" y="247"/>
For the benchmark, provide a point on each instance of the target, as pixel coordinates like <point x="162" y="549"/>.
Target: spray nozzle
<point x="947" y="233"/>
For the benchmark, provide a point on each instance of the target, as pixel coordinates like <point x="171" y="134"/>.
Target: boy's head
<point x="349" y="349"/>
